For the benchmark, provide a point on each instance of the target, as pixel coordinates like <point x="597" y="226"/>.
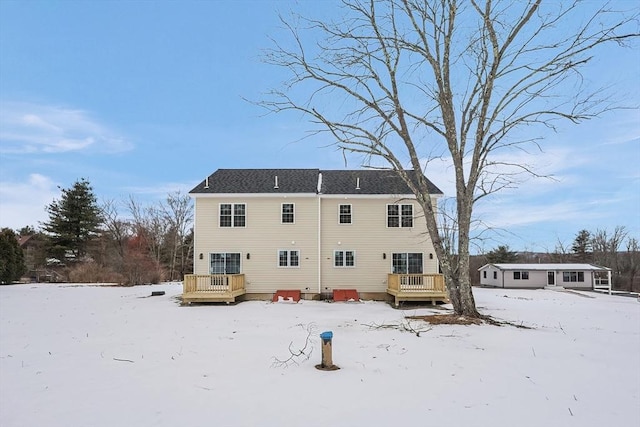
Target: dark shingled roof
<point x="371" y="182"/>
<point x="306" y="181"/>
<point x="260" y="181"/>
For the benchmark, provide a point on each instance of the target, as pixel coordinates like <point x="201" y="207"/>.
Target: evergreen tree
<point x="11" y="257"/>
<point x="73" y="220"/>
<point x="582" y="246"/>
<point x="502" y="255"/>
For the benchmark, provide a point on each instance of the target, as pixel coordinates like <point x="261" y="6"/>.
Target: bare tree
<point x="401" y="82"/>
<point x="178" y="213"/>
<point x="150" y="225"/>
<point x="631" y="261"/>
<point x="606" y="248"/>
<point x="117" y="229"/>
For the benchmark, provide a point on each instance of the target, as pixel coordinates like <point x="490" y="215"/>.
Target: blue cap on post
<point x="326" y="336"/>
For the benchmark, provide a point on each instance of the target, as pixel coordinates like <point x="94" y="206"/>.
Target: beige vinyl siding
<point x="262" y="237"/>
<point x="369" y="237"/>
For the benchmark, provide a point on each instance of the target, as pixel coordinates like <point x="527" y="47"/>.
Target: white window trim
<point x="282" y="213"/>
<point x="344" y="251"/>
<point x="350" y="213"/>
<point x="407" y="253"/>
<point x="400" y="205"/>
<point x="577" y="273"/>
<point x="232" y="215"/>
<point x="288" y="251"/>
<point x="225" y="253"/>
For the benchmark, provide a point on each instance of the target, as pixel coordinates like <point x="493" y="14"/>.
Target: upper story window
<point x="344" y="214"/>
<point x="521" y="275"/>
<point x="399" y="216"/>
<point x="233" y="214"/>
<point x="288" y="213"/>
<point x="344" y="258"/>
<point x="288" y="258"/>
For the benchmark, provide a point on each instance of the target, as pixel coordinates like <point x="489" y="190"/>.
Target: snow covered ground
<point x="107" y="356"/>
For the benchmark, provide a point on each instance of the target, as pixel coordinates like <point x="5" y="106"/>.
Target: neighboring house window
<point x="521" y="275"/>
<point x="232" y="215"/>
<point x="344" y="258"/>
<point x="495" y="275"/>
<point x="573" y="276"/>
<point x="288" y="258"/>
<point x="399" y="216"/>
<point x="484" y="274"/>
<point x="288" y="215"/>
<point x="344" y="214"/>
<point x="407" y="263"/>
<point x="224" y="263"/>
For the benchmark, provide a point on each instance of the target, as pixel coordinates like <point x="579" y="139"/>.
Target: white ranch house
<point x="573" y="276"/>
<point x="259" y="233"/>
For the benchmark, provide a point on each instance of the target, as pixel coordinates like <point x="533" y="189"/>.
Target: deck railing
<point x="213" y="283"/>
<point x="416" y="282"/>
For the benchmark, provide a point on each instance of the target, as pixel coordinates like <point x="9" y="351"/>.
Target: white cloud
<point x="552" y="165"/>
<point x="34" y="128"/>
<point x="23" y="203"/>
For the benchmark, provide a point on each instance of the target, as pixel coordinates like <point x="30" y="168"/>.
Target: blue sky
<point x="144" y="98"/>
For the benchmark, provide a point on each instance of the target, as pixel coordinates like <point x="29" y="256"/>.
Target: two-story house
<point x="311" y="232"/>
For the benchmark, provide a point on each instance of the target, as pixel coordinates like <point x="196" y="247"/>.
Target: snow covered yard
<point x="108" y="356"/>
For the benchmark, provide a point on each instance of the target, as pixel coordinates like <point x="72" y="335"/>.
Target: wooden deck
<point x="212" y="287"/>
<point x="417" y="287"/>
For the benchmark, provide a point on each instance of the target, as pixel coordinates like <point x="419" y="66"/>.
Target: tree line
<point x="87" y="241"/>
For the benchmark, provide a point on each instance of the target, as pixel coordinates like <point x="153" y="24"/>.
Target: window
<point x="573" y="276"/>
<point x="344" y="258"/>
<point x="407" y="263"/>
<point x="224" y="263"/>
<point x="288" y="216"/>
<point x="344" y="214"/>
<point x="495" y="275"/>
<point x="484" y="274"/>
<point x="399" y="216"/>
<point x="232" y="215"/>
<point x="288" y="258"/>
<point x="521" y="275"/>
